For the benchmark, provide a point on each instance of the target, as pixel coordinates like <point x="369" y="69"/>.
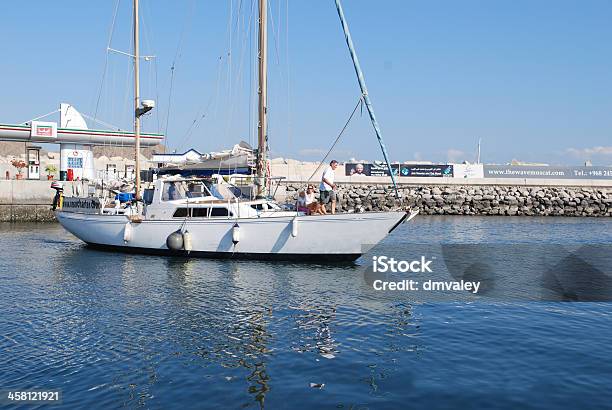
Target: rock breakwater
<point x="473" y="200"/>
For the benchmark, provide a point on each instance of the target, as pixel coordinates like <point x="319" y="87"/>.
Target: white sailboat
<point x="204" y="217"/>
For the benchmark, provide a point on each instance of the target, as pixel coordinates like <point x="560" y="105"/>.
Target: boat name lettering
<point x="81" y="203"/>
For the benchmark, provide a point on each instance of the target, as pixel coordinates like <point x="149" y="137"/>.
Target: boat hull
<point x="340" y="237"/>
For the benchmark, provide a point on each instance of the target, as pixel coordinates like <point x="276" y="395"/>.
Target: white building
<point x="190" y="156"/>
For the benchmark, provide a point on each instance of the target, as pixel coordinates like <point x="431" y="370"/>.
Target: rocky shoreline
<point x="33" y="204"/>
<point x="473" y="199"/>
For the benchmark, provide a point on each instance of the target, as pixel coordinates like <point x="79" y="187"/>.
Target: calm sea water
<point x="113" y="330"/>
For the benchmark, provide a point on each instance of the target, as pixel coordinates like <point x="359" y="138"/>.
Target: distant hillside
<point x="125" y="152"/>
<point x="11" y="148"/>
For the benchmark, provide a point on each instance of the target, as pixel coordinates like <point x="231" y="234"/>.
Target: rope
<point x="110" y="39"/>
<point x="359" y="103"/>
<point x="237" y="47"/>
<point x="157" y="99"/>
<point x="174" y="61"/>
<point x="288" y="67"/>
<point x="42" y="116"/>
<point x="202" y="112"/>
<point x="111" y="126"/>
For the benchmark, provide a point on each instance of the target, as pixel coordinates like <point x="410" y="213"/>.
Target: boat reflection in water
<point x="123" y="330"/>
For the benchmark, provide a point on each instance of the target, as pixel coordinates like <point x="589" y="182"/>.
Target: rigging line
<point x="113" y="127"/>
<point x="152" y="66"/>
<point x="196" y="122"/>
<point x="288" y="77"/>
<point x="337" y="138"/>
<point x="125" y="110"/>
<point x="230" y="78"/>
<point x="172" y="68"/>
<point x="42" y="116"/>
<point x="202" y="112"/>
<point x="128" y="90"/>
<point x="274" y="36"/>
<point x="217" y="86"/>
<point x="169" y="104"/>
<point x="230" y="99"/>
<point x="157" y="99"/>
<point x="239" y="73"/>
<point x="229" y="54"/>
<point x="251" y="74"/>
<point x="239" y="13"/>
<point x="229" y="65"/>
<point x="110" y="39"/>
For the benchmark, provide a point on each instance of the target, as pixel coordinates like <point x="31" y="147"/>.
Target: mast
<point x="136" y="101"/>
<point x="262" y="125"/>
<point x="364" y="92"/>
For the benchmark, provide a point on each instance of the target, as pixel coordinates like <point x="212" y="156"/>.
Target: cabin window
<point x="174" y="190"/>
<point x="220" y="212"/>
<point x="258" y="207"/>
<point x="197" y="189"/>
<point x="215" y="192"/>
<point x="199" y="212"/>
<point x="180" y="213"/>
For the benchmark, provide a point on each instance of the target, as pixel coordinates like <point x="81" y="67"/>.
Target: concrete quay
<point x="30" y="201"/>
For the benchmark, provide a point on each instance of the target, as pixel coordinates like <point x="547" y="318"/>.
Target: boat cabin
<point x="203" y="198"/>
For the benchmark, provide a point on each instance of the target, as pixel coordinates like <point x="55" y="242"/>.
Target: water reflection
<point x="219" y="313"/>
<point x="315" y="326"/>
<point x="115" y="330"/>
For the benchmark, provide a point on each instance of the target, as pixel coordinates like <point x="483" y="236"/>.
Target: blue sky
<point x="533" y="79"/>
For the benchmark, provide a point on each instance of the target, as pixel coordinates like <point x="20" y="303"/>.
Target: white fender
<point x="294" y="227"/>
<point x="127" y="232"/>
<point x="236" y="233"/>
<point x="187" y="241"/>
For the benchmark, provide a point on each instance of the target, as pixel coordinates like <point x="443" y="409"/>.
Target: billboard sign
<point x="402" y="170"/>
<point x="375" y="170"/>
<point x="426" y="170"/>
<point x="546" y="172"/>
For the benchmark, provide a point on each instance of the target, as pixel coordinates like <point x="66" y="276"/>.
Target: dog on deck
<point x="308" y="203"/>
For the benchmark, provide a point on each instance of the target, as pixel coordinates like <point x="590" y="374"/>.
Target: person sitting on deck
<point x="301" y="204"/>
<point x="308" y="203"/>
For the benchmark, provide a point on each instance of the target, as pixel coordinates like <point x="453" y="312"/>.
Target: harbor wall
<point x="470" y="199"/>
<point x="30" y="201"/>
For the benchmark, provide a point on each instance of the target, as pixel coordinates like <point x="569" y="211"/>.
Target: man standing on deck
<point x="327" y="188"/>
